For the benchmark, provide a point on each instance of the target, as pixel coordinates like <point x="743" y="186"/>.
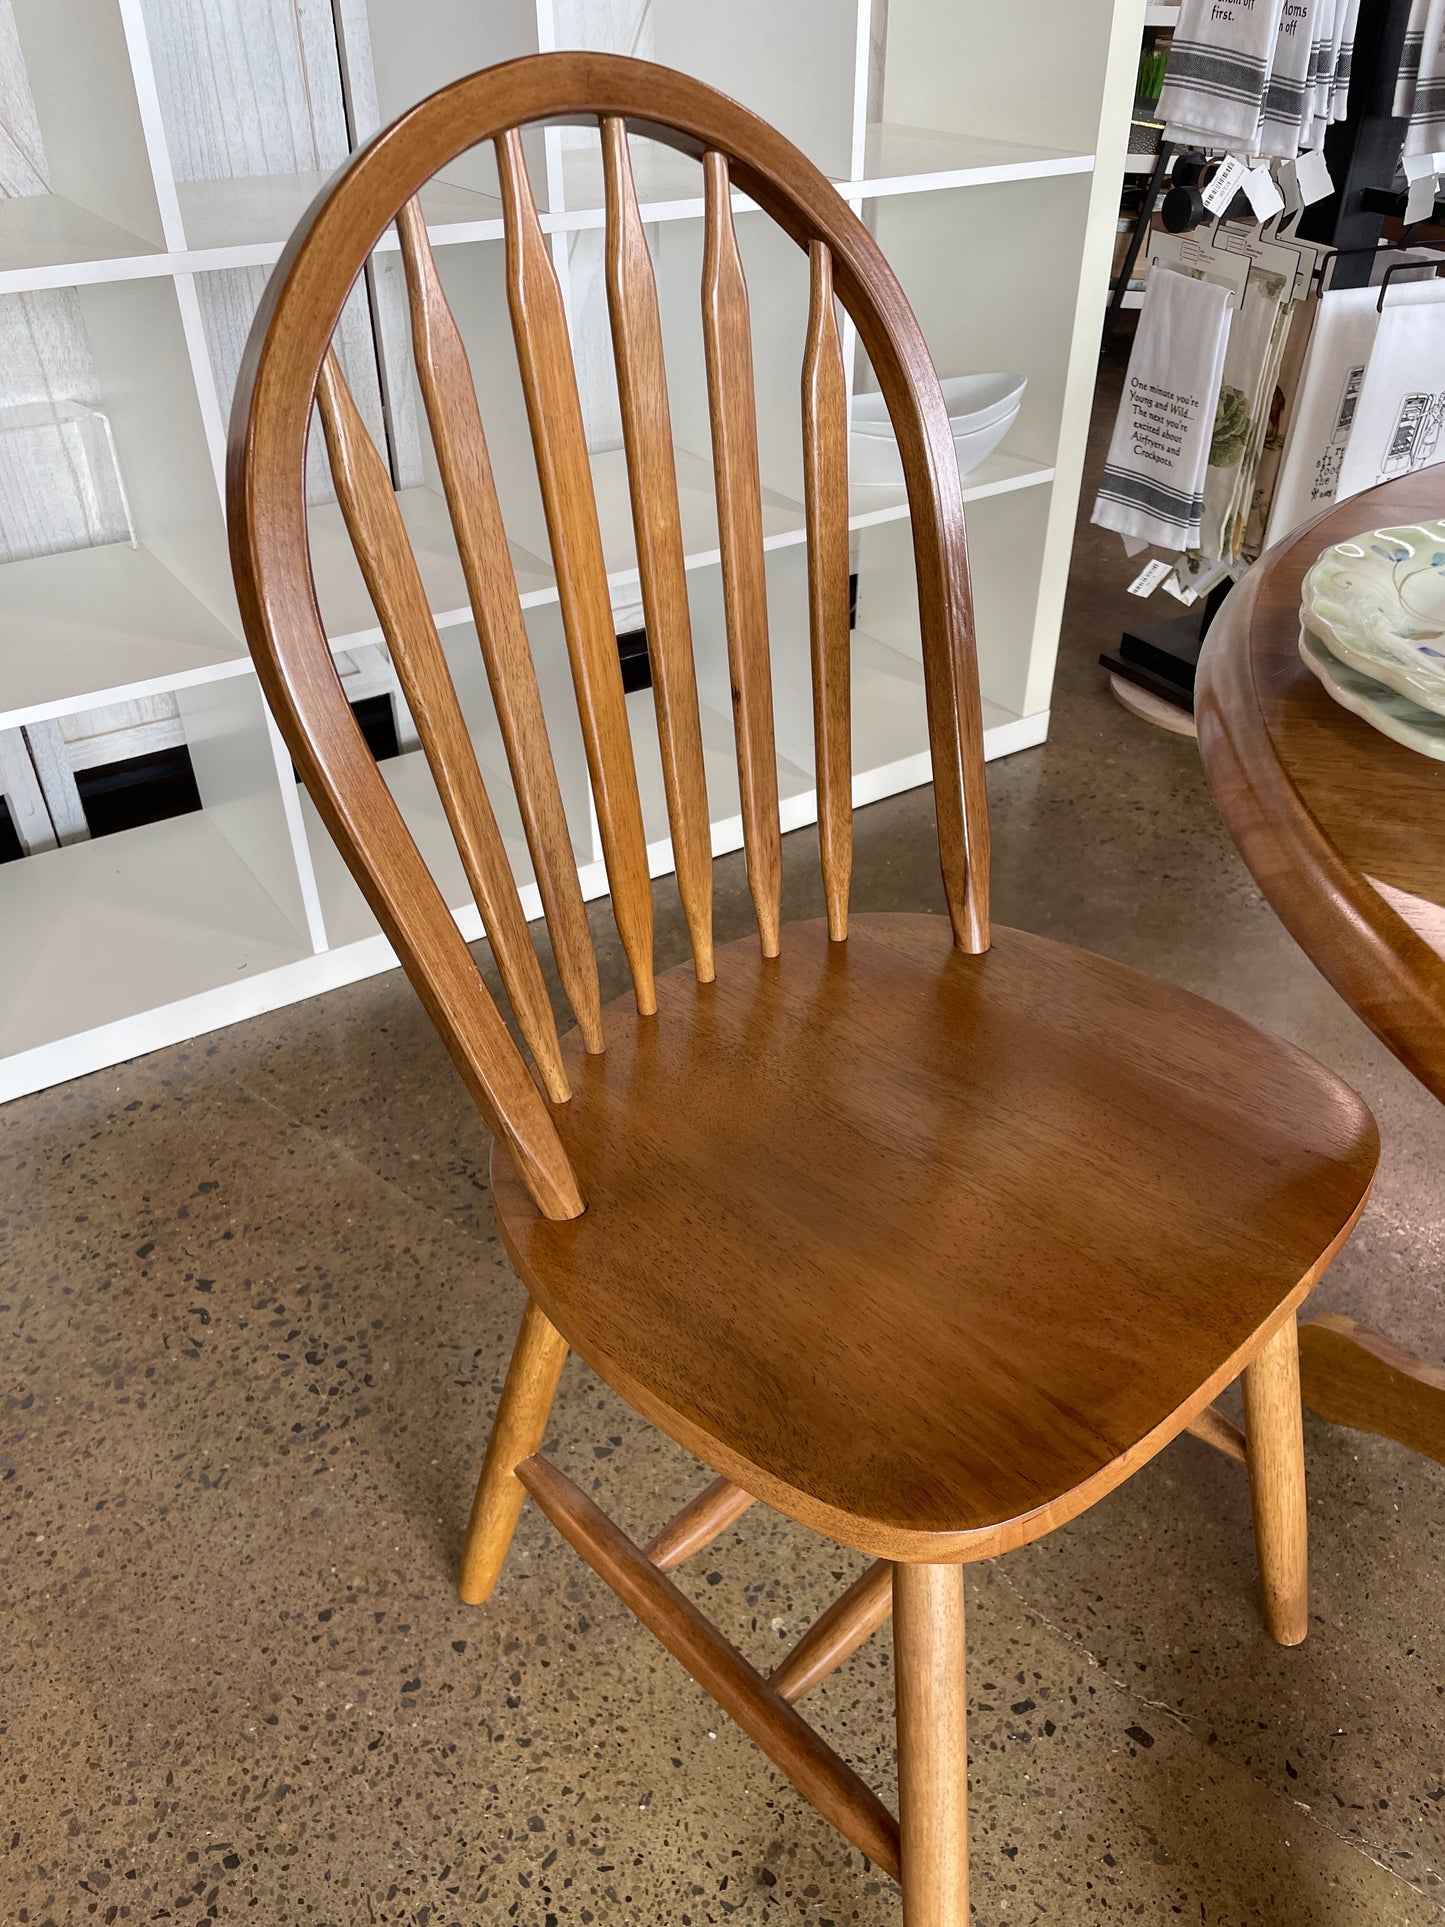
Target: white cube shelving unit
<point x="982" y="145"/>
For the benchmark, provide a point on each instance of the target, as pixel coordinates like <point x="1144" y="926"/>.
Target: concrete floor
<point x="255" y="1317"/>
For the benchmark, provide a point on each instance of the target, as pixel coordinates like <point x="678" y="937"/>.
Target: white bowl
<point x="981" y="411"/>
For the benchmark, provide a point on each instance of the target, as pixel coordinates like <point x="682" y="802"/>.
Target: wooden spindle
<point x="763" y="1714"/>
<point x="450" y="398"/>
<point x="852" y="1619"/>
<point x="549" y="383"/>
<point x="700" y="1522"/>
<point x="825" y="496"/>
<point x="384" y="552"/>
<point x="727" y="343"/>
<point x="652" y="479"/>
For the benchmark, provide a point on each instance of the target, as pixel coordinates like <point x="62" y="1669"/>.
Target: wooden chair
<point x="925" y="1234"/>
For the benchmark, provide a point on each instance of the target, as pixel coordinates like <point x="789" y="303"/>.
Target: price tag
<point x="1228" y="179"/>
<point x="1173" y="586"/>
<point x="1264" y="197"/>
<point x="1420" y="172"/>
<point x="1289" y="188"/>
<point x="1149" y="577"/>
<point x="1312" y="176"/>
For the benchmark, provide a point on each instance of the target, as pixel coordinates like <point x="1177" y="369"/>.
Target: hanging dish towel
<point x="1410" y="58"/>
<point x="1280" y="419"/>
<point x="1345" y="61"/>
<point x="1256" y="344"/>
<point x="1400" y="422"/>
<point x="1218" y="69"/>
<point x="1288" y="98"/>
<point x="1329" y="395"/>
<point x="1426" y="132"/>
<point x="1153" y="485"/>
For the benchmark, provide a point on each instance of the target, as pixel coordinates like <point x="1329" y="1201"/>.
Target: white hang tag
<point x="1149" y="577"/>
<point x="1227" y="182"/>
<point x="1312" y="177"/>
<point x="1264" y="197"/>
<point x="1173" y="586"/>
<point x="1289" y="188"/>
<point x="1420" y="172"/>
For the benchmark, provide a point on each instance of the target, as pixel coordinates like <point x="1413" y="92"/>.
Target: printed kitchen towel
<point x="1256" y="345"/>
<point x="1400" y="422"/>
<point x="1219" y="67"/>
<point x="1153" y="484"/>
<point x="1282" y="406"/>
<point x="1329" y="394"/>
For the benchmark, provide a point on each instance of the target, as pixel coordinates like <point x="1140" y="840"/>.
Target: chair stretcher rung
<point x="783" y="1734"/>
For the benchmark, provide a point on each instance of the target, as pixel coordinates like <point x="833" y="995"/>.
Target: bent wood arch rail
<point x="284" y="369"/>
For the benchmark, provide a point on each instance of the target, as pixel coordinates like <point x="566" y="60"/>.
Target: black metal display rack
<point x="1363" y="154"/>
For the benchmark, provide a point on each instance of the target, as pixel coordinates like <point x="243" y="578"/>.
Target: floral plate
<point x="1384" y="709"/>
<point x="1378" y="604"/>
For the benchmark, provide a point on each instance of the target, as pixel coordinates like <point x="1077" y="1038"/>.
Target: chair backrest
<point x="290" y="365"/>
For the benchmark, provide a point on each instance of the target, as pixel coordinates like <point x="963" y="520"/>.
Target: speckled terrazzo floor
<point x="253" y="1318"/>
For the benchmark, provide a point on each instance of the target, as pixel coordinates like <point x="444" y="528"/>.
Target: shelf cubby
<point x="181" y="144"/>
<point x="114" y="621"/>
<point x="78" y="185"/>
<point x="205" y="902"/>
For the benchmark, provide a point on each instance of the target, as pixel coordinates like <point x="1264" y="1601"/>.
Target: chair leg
<point x="1275" y="1437"/>
<point x="517" y="1431"/>
<point x="932" y="1701"/>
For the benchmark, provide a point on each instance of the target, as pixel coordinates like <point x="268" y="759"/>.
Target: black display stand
<point x="1363" y="154"/>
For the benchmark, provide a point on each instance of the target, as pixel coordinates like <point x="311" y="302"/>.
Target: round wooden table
<point x="1344" y="832"/>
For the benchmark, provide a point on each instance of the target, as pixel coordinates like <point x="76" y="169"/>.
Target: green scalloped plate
<point x="1384" y="709"/>
<point x="1378" y="604"/>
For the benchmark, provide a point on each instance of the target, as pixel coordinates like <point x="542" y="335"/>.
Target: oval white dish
<point x="981" y="411"/>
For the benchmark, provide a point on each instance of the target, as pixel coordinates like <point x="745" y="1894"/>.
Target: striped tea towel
<point x="1153" y="484"/>
<point x="1410" y="59"/>
<point x="1344" y="61"/>
<point x="1288" y="97"/>
<point x="1218" y="69"/>
<point x="1426" y="132"/>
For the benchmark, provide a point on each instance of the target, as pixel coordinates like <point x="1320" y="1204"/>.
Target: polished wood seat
<point x="919" y="1244"/>
<point x="926" y="1233"/>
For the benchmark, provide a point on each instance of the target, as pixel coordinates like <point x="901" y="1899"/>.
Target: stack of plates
<point x="981" y="411"/>
<point x="1372" y="628"/>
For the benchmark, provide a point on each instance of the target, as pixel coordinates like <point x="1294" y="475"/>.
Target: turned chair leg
<point x="521" y="1420"/>
<point x="932" y="1701"/>
<point x="1275" y="1437"/>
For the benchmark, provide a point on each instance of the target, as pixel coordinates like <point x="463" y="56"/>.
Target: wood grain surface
<point x="732" y="409"/>
<point x="450" y="399"/>
<point x="1355" y="1376"/>
<point x="657" y="523"/>
<point x="1342" y="829"/>
<point x="902" y="1241"/>
<point x="363" y="488"/>
<point x="825" y="497"/>
<point x="559" y="442"/>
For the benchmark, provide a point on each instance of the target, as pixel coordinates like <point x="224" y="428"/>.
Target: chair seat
<point x="930" y="1250"/>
